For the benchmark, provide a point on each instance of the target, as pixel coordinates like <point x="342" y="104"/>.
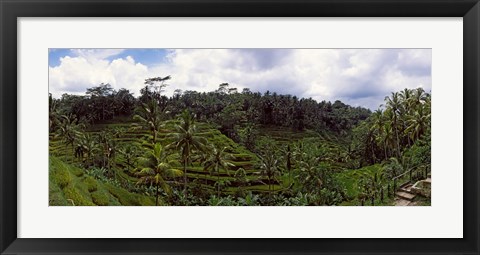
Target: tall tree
<point x="269" y="168"/>
<point x="89" y="148"/>
<point x="129" y="153"/>
<point x="157" y="83"/>
<point x="393" y="107"/>
<point x="186" y="141"/>
<point x="101" y="97"/>
<point x="104" y="138"/>
<point x="69" y="131"/>
<point x="150" y="117"/>
<point x="155" y="169"/>
<point x="418" y="123"/>
<point x="217" y="160"/>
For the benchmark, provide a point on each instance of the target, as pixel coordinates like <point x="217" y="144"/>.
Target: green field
<point x="242" y="158"/>
<point x="69" y="185"/>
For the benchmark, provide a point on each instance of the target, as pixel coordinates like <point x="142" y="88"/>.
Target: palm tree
<point x="311" y="172"/>
<point x="427" y="100"/>
<point x="417" y="123"/>
<point x="129" y="153"/>
<point x="109" y="148"/>
<point x="221" y="184"/>
<point x="112" y="152"/>
<point x="287" y="158"/>
<point x="104" y="140"/>
<point x="155" y="169"/>
<point x="406" y="95"/>
<point x="393" y="106"/>
<point x="386" y="138"/>
<point x="241" y="179"/>
<point x="216" y="160"/>
<point x="69" y="131"/>
<point x="89" y="147"/>
<point x="150" y="116"/>
<point x="186" y="140"/>
<point x="378" y="128"/>
<point x="418" y="97"/>
<point x="269" y="168"/>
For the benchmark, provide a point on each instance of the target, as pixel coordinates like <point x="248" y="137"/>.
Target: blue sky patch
<point x="54" y="56"/>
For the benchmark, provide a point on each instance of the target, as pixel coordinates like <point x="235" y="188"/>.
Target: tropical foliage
<point x="227" y="147"/>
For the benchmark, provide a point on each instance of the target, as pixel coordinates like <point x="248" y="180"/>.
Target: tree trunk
<point x="156" y="198"/>
<point x="218" y="184"/>
<point x="185" y="177"/>
<point x="386" y="157"/>
<point x="373" y="155"/>
<point x="270" y="188"/>
<point x="398" y="143"/>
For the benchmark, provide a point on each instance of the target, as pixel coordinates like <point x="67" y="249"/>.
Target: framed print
<point x="231" y="127"/>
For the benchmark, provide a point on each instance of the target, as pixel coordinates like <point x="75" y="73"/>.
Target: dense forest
<point x="230" y="147"/>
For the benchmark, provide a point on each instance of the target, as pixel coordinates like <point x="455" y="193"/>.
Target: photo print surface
<point x="240" y="127"/>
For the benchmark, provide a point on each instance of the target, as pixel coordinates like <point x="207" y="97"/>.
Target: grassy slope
<point x="68" y="185"/>
<point x="142" y="138"/>
<point x="242" y="158"/>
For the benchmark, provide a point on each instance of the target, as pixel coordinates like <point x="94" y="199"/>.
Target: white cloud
<point x="96" y="54"/>
<point x="75" y="74"/>
<point x="360" y="77"/>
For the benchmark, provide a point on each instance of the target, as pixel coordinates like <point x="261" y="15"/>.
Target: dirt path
<point x="403" y="202"/>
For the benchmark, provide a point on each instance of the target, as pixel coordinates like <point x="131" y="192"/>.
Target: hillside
<point x="69" y="185"/>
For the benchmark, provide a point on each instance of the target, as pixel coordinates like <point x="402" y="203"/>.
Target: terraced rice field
<point x="242" y="158"/>
<point x="70" y="186"/>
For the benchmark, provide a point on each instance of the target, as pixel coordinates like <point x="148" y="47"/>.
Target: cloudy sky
<point x="359" y="77"/>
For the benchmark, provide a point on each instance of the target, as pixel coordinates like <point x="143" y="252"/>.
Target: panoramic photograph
<point x="239" y="127"/>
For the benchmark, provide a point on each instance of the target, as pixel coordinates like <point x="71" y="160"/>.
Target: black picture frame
<point x="10" y="10"/>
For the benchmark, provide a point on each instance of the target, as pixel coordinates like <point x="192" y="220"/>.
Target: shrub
<point x="100" y="197"/>
<point x="61" y="177"/>
<point x="90" y="183"/>
<point x="76" y="197"/>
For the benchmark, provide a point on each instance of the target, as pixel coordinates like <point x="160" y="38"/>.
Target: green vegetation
<point x="70" y="185"/>
<point x="229" y="148"/>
